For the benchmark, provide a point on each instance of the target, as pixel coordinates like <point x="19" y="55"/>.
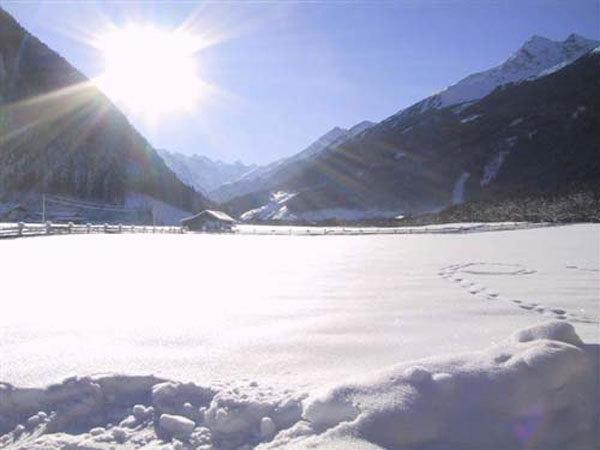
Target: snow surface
<point x="319" y="341"/>
<point x="578" y="112"/>
<point x="516" y="122"/>
<point x="276" y="209"/>
<point x="491" y="169"/>
<point x="458" y="192"/>
<point x="534" y="390"/>
<point x="470" y="118"/>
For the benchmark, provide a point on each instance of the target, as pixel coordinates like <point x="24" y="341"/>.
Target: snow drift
<point x="536" y="390"/>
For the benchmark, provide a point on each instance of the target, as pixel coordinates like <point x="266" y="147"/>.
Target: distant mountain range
<point x="60" y="135"/>
<point x="202" y="173"/>
<point x="222" y="181"/>
<point x="529" y="125"/>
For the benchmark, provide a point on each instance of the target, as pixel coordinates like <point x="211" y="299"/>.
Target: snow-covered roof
<point x="219" y="215"/>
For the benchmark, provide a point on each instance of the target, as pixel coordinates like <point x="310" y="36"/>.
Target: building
<point x="212" y="221"/>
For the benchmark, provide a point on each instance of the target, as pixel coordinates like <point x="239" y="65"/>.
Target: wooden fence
<point x="433" y="229"/>
<point x="39" y="229"/>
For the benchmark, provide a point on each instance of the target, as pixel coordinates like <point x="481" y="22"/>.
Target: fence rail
<point x="48" y="228"/>
<point x="9" y="230"/>
<point x="358" y="231"/>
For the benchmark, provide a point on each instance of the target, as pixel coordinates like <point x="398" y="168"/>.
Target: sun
<point x="150" y="71"/>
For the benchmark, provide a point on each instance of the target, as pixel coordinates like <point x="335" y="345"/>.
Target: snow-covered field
<point x="303" y="341"/>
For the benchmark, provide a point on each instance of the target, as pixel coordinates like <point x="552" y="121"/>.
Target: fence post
<point x="106" y="228"/>
<point x="70" y="227"/>
<point x="88" y="228"/>
<point x="48" y="227"/>
<point x="21" y="226"/>
<point x="120" y="228"/>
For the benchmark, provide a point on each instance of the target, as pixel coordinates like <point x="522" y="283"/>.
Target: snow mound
<point x="536" y="390"/>
<point x="556" y="331"/>
<point x="143" y="412"/>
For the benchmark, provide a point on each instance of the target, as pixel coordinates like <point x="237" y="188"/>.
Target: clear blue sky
<point x="293" y="70"/>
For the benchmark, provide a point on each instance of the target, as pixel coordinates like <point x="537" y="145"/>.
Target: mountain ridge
<point x="537" y="55"/>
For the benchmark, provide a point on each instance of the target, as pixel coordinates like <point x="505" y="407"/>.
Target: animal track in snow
<point x="454" y="273"/>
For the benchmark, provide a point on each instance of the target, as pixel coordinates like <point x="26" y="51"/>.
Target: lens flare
<point x="150" y="71"/>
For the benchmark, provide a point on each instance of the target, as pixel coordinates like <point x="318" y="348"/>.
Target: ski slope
<point x="280" y="327"/>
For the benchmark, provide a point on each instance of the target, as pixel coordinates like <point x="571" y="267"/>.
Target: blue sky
<point x="291" y="70"/>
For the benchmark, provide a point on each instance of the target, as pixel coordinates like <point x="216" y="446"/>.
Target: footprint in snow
<point x="454" y="273"/>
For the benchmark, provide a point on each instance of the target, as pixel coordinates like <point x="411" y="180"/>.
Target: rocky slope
<point x="60" y="135"/>
<point x="536" y="134"/>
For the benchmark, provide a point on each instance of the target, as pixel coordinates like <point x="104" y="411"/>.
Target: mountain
<point x="202" y="173"/>
<point x="538" y="56"/>
<point x="263" y="176"/>
<point x="60" y="135"/>
<point x="536" y="136"/>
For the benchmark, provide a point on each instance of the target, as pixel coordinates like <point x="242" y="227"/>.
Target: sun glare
<point x="150" y="71"/>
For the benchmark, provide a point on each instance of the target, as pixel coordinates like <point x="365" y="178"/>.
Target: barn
<point x="208" y="220"/>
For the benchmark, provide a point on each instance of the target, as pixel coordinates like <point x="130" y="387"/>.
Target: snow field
<point x="208" y="308"/>
<point x="286" y="340"/>
<point x="535" y="390"/>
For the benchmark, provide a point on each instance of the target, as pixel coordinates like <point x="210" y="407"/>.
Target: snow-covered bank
<point x="536" y="390"/>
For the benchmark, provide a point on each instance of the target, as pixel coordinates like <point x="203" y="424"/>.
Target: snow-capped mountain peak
<point x="578" y="40"/>
<point x="540" y="51"/>
<point x="538" y="56"/>
<point x="536" y="42"/>
<point x="203" y="173"/>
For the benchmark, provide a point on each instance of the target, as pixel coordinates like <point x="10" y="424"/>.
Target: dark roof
<point x="218" y="215"/>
